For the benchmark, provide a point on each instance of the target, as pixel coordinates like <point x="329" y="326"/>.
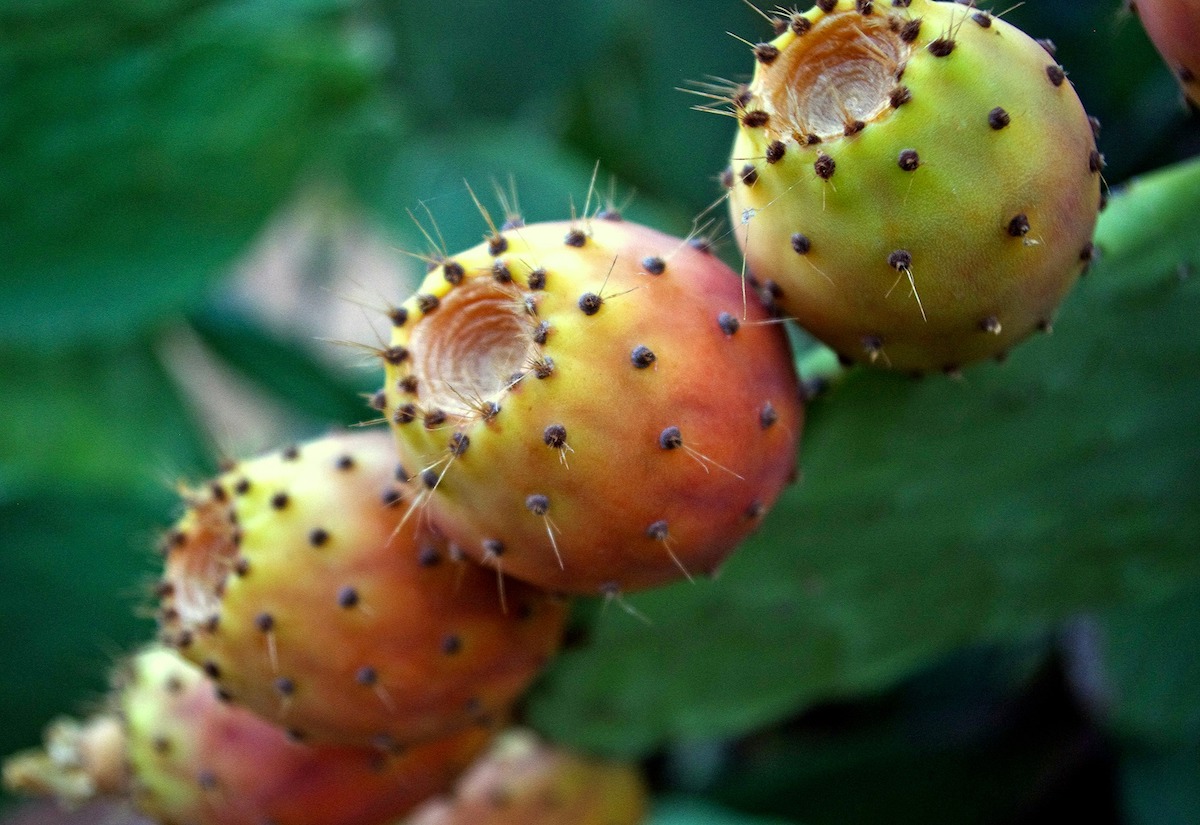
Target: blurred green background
<point x="980" y="604"/>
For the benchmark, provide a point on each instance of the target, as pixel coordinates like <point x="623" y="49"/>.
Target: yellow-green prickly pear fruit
<point x="915" y="182"/>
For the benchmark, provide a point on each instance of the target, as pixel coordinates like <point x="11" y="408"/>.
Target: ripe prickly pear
<point x="523" y="781"/>
<point x="592" y="406"/>
<point x="183" y="755"/>
<point x="916" y="182"/>
<point x="1174" y="28"/>
<point x="292" y="582"/>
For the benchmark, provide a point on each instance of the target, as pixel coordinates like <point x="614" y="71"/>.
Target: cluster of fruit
<point x="325" y="656"/>
<point x="588" y="407"/>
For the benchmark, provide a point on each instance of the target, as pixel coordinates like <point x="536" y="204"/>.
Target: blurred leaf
<point x="285" y="369"/>
<point x="1162" y="788"/>
<point x="938" y="512"/>
<point x="683" y="811"/>
<point x="1151" y="660"/>
<point x="434" y="171"/>
<point x="145" y="144"/>
<point x="74" y="568"/>
<point x="485" y="59"/>
<point x="628" y="105"/>
<point x="98" y="419"/>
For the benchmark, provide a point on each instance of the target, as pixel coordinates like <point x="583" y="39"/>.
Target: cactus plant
<point x="1006" y="509"/>
<point x="592" y="406"/>
<point x="292" y="582"/>
<point x="917" y="184"/>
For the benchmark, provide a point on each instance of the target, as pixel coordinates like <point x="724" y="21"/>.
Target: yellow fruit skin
<point x="972" y="287"/>
<point x="196" y="760"/>
<point x="621" y="510"/>
<point x="336" y="616"/>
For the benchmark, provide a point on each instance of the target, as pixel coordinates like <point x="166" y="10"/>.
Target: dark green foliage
<point x="434" y="171"/>
<point x="70" y="424"/>
<point x="684" y="811"/>
<point x="997" y="720"/>
<point x="76" y="589"/>
<point x="1150" y="678"/>
<point x="145" y="143"/>
<point x="1162" y="787"/>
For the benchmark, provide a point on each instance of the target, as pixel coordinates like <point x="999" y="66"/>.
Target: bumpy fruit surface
<point x="916" y="183"/>
<point x="1174" y="27"/>
<point x="197" y="760"/>
<point x="593" y="406"/>
<point x="523" y="781"/>
<point x="296" y="582"/>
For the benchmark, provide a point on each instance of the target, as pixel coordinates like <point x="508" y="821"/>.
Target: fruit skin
<point x="594" y="406"/>
<point x="296" y="582"/>
<point x="975" y="174"/>
<point x="1174" y="28"/>
<point x="523" y="781"/>
<point x="197" y="760"/>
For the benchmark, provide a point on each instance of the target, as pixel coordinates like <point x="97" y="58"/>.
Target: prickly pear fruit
<point x="296" y="582"/>
<point x="915" y="182"/>
<point x="523" y="781"/>
<point x="191" y="758"/>
<point x="1174" y="28"/>
<point x="592" y="406"/>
